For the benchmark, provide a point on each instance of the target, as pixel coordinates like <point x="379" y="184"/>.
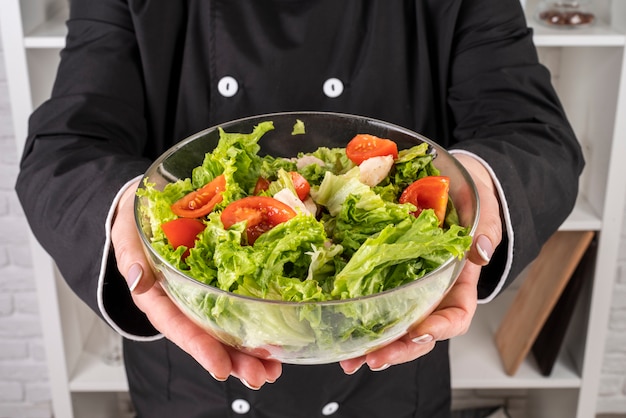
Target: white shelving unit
<point x="589" y="71"/>
<point x="589" y="68"/>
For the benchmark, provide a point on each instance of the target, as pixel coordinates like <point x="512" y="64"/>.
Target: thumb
<point x="488" y="232"/>
<point x="129" y="254"/>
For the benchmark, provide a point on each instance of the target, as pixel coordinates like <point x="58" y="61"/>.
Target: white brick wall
<point x="24" y="389"/>
<point x="612" y="396"/>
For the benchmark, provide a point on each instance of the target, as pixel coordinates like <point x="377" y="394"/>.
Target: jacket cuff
<point x="114" y="301"/>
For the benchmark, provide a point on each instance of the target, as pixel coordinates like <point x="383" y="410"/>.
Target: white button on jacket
<point x="240" y="406"/>
<point x="227" y="86"/>
<point x="333" y="87"/>
<point x="330" y="408"/>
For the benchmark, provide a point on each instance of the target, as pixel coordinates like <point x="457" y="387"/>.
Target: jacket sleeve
<point x="84" y="144"/>
<point x="506" y="111"/>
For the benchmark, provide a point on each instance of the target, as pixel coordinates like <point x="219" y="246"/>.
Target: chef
<point x="137" y="76"/>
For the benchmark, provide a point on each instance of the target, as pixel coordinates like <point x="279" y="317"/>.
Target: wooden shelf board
<point x="538" y="295"/>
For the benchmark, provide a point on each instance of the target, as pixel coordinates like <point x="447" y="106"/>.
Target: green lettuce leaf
<point x="235" y="156"/>
<point x="414" y="241"/>
<point x="335" y="161"/>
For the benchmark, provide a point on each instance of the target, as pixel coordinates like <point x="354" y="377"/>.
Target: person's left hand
<point x="455" y="312"/>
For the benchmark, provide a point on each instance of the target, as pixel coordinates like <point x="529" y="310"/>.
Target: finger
<point x="454" y="314"/>
<point x="174" y="325"/>
<point x="127" y="245"/>
<point x="488" y="233"/>
<point x="252" y="371"/>
<point x="397" y="352"/>
<point x="273" y="370"/>
<point x="352" y="365"/>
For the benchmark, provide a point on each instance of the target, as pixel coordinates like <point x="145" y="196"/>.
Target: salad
<point x="333" y="224"/>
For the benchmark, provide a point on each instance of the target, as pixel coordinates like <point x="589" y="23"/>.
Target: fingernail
<point x="219" y="379"/>
<point x="381" y="368"/>
<point x="356" y="369"/>
<point x="248" y="385"/>
<point x="423" y="339"/>
<point x="135" y="273"/>
<point x="484" y="247"/>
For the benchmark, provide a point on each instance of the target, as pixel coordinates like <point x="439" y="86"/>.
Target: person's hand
<point x="455" y="312"/>
<point x="219" y="360"/>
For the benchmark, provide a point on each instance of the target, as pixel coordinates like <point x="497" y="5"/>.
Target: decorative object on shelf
<point x="565" y="14"/>
<point x="538" y="295"/>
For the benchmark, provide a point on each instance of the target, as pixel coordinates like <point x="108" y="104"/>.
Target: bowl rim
<point x="267" y="116"/>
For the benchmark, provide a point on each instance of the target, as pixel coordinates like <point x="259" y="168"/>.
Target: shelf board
<point x="582" y="218"/>
<point x="91" y="374"/>
<point x="99" y="405"/>
<point x="50" y="34"/>
<point x="475" y="361"/>
<point x="599" y="34"/>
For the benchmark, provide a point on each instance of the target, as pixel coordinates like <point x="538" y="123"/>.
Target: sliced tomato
<point x="261" y="185"/>
<point x="301" y="185"/>
<point x="202" y="201"/>
<point x="364" y="146"/>
<point x="261" y="214"/>
<point x="428" y="193"/>
<point x="182" y="231"/>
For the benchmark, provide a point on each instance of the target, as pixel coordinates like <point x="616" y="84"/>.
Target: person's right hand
<point x="218" y="359"/>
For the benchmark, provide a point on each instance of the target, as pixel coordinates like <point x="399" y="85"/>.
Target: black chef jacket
<point x="137" y="76"/>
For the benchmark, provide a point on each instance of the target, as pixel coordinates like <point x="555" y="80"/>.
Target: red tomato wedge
<point x="261" y="185"/>
<point x="428" y="193"/>
<point x="182" y="231"/>
<point x="202" y="201"/>
<point x="301" y="185"/>
<point x="261" y="214"/>
<point x="364" y="146"/>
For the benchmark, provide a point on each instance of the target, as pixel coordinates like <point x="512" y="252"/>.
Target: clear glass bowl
<point x="306" y="332"/>
<point x="565" y="14"/>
